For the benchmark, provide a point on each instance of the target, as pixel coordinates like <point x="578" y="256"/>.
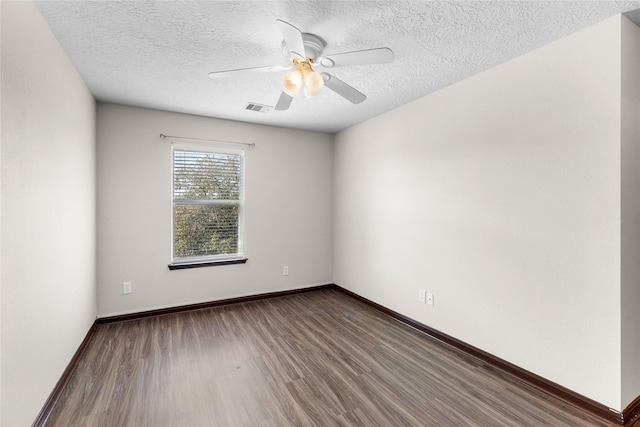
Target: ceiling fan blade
<point x="226" y="73"/>
<point x="283" y="102"/>
<point x="341" y="88"/>
<point x="292" y="38"/>
<point x="381" y="55"/>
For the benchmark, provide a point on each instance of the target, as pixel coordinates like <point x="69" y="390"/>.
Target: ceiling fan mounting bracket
<point x="313" y="46"/>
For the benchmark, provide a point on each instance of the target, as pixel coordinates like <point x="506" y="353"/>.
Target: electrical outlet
<point x="422" y="296"/>
<point x="429" y="298"/>
<point x="285" y="270"/>
<point x="127" y="288"/>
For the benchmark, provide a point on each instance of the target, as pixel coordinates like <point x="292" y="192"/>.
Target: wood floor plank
<point x="319" y="358"/>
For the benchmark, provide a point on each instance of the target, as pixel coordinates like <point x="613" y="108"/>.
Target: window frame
<point x="209" y="260"/>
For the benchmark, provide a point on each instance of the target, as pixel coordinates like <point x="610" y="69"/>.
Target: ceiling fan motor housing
<point x="313" y="46"/>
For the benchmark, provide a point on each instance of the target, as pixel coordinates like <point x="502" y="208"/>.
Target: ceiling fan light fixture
<point x="313" y="82"/>
<point x="292" y="83"/>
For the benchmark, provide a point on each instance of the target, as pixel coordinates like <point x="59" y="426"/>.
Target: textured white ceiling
<point x="158" y="54"/>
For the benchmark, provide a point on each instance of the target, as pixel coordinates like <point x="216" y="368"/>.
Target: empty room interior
<point x="240" y="213"/>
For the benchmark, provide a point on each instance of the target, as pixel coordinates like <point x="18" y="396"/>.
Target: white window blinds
<point x="207" y="205"/>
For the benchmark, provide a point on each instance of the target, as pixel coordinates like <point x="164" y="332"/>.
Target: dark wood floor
<point x="315" y="359"/>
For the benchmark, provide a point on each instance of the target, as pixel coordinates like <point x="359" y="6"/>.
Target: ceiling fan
<point x="304" y="53"/>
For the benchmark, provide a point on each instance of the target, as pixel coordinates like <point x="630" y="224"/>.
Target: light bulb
<point x="292" y="83"/>
<point x="313" y="82"/>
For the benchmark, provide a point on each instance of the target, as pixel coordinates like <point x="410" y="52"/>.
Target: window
<point x="207" y="207"/>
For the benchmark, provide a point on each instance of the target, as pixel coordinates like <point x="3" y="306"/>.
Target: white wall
<point x="288" y="211"/>
<point x="48" y="212"/>
<point x="501" y="195"/>
<point x="630" y="211"/>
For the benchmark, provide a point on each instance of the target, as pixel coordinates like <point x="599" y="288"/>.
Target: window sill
<point x="207" y="263"/>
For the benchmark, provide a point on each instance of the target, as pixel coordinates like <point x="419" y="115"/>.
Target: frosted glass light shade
<point x="292" y="83"/>
<point x="313" y="82"/>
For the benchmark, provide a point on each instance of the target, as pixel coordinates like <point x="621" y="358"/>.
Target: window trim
<point x="197" y="264"/>
<point x="212" y="260"/>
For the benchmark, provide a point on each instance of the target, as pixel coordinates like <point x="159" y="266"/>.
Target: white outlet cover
<point x="429" y="298"/>
<point x="422" y="296"/>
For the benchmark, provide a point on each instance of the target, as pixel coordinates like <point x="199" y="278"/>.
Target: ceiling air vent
<point x="258" y="107"/>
